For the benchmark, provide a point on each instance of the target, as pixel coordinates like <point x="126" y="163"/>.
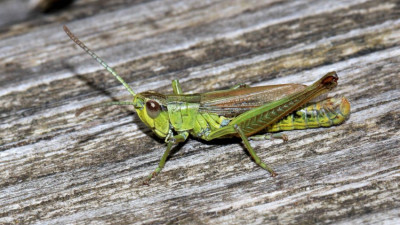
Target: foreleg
<point x="181" y="137"/>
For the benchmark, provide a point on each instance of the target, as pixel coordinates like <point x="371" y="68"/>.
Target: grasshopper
<point x="240" y="111"/>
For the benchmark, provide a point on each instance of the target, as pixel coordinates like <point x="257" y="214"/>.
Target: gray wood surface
<point x="56" y="168"/>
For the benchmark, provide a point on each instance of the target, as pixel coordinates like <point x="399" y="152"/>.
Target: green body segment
<point x="327" y="113"/>
<point x="182" y="115"/>
<point x="206" y="123"/>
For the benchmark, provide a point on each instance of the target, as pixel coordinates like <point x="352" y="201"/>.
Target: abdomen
<point x="326" y="113"/>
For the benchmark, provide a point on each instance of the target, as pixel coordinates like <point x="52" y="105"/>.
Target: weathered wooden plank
<point x="57" y="168"/>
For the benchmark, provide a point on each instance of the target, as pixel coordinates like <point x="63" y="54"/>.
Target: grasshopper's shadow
<point x="92" y="85"/>
<point x="221" y="142"/>
<point x="102" y="91"/>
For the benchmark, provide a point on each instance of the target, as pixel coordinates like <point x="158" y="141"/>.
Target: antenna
<point x="98" y="59"/>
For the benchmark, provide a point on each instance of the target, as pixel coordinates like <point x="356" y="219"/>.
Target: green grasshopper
<point x="241" y="111"/>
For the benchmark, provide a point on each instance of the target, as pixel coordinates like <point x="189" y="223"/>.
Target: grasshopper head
<point x="151" y="109"/>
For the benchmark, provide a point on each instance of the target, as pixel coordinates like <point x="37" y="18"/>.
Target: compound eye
<point x="153" y="108"/>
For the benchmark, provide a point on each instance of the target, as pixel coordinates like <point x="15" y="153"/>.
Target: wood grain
<point x="56" y="168"/>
